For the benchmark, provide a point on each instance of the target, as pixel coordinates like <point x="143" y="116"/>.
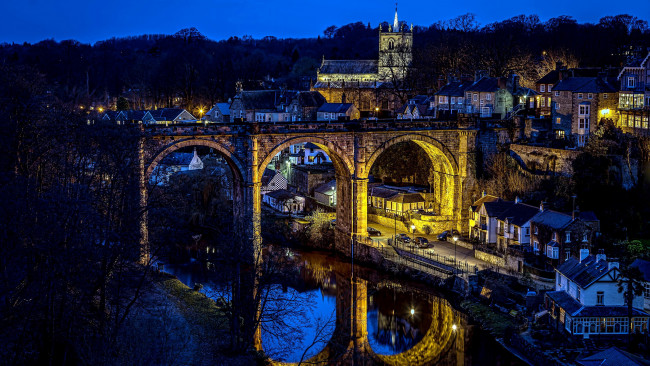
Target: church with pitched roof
<point x="371" y="84"/>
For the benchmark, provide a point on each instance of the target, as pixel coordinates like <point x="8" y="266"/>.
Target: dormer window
<point x="631" y="82"/>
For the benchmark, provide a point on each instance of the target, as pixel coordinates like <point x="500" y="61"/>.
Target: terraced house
<point x="634" y="96"/>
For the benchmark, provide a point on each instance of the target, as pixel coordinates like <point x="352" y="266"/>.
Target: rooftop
<point x="586" y="272"/>
<point x="349" y="67"/>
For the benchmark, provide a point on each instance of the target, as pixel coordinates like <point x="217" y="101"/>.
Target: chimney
<point x="584" y="253"/>
<point x="517" y="199"/>
<point x="479" y="74"/>
<point x="483" y="194"/>
<point x="502" y="82"/>
<point x="601" y="255"/>
<point x="558" y="65"/>
<point x="541" y="206"/>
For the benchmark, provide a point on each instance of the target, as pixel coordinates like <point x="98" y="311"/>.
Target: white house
<point x="586" y="300"/>
<point x="487" y="219"/>
<point x="307" y="154"/>
<point x="326" y="193"/>
<point x="513" y="224"/>
<point x="273" y="180"/>
<point x="285" y="201"/>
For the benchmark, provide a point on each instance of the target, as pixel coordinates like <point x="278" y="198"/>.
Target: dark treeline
<point x="189" y="70"/>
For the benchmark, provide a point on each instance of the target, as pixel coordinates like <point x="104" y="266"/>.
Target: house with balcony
<point x="579" y="104"/>
<point x="586" y="301"/>
<point x="513" y="225"/>
<point x="484" y="215"/>
<point x="634" y="96"/>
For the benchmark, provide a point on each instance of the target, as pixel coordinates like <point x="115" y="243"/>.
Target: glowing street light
<point x="412" y="311"/>
<point x="454" y="327"/>
<point x="100" y="109"/>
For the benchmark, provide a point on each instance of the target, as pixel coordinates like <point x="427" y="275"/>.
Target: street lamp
<point x="454" y="327"/>
<point x="455" y="263"/>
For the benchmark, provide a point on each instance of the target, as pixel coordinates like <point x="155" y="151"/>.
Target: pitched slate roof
<point x="583" y="273"/>
<point x="310" y="98"/>
<point x="282" y="194"/>
<point x="267" y="176"/>
<point x="552" y="77"/>
<point x="224" y="108"/>
<point x="454" y="89"/>
<point x="484" y="84"/>
<point x="480" y="201"/>
<point x="407" y="198"/>
<point x="335" y="107"/>
<point x="383" y="192"/>
<point x="356" y="84"/>
<point x="613" y="357"/>
<point x="552" y="219"/>
<point x="259" y="99"/>
<point x="495" y="208"/>
<point x="585" y="85"/>
<point x="328" y="188"/>
<point x="349" y="67"/>
<point x="519" y="213"/>
<point x="134" y="115"/>
<point x="565" y="301"/>
<point x="166" y="114"/>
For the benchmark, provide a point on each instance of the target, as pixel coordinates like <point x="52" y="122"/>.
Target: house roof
<point x="643" y="266"/>
<point x="224" y="108"/>
<point x="383" y="192"/>
<point x="484" y="84"/>
<point x="310" y="99"/>
<point x="407" y="198"/>
<point x="282" y="194"/>
<point x="588" y="216"/>
<point x="166" y="114"/>
<point x="328" y="188"/>
<point x="552" y="77"/>
<point x="495" y="208"/>
<point x="607" y="311"/>
<point x="267" y="176"/>
<point x="519" y="213"/>
<point x="313" y="146"/>
<point x="349" y="67"/>
<point x="357" y="84"/>
<point x="454" y="89"/>
<point x="565" y="301"/>
<point x="553" y="219"/>
<point x="134" y="115"/>
<point x="260" y="99"/>
<point x="613" y="357"/>
<point x="482" y="200"/>
<point x="585" y="85"/>
<point x="583" y="273"/>
<point x="335" y="107"/>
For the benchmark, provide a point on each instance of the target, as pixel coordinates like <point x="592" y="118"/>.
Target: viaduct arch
<point x="353" y="148"/>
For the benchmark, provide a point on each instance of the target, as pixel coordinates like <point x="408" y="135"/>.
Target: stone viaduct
<point x="353" y="148"/>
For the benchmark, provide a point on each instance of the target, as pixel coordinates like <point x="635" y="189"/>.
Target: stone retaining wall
<point x="490" y="258"/>
<point x="544" y="159"/>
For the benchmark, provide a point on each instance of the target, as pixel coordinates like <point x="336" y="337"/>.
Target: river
<point x="325" y="309"/>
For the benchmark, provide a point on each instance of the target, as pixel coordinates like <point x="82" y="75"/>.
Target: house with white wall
<point x="272" y="180"/>
<point x="586" y="301"/>
<point x="285" y="201"/>
<point x="513" y="225"/>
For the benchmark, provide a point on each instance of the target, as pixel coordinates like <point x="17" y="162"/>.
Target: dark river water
<point x="327" y="309"/>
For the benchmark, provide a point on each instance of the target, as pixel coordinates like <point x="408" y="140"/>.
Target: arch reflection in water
<point x="397" y="320"/>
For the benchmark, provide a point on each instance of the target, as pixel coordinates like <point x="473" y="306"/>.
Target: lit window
<point x="543" y="102"/>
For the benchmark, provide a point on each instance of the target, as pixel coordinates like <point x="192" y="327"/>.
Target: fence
<point x="440" y="263"/>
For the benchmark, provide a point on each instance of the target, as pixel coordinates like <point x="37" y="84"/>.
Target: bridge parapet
<point x="254" y="128"/>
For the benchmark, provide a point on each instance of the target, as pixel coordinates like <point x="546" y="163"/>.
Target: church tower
<point x="395" y="50"/>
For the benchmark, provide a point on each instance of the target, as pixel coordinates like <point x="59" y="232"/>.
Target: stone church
<point x="375" y="87"/>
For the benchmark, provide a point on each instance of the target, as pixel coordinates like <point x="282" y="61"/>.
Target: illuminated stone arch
<point x="444" y="163"/>
<point x="342" y="164"/>
<point x="235" y="164"/>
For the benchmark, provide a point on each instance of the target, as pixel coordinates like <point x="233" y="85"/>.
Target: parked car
<point x="447" y="234"/>
<point x="421" y="242"/>
<point x="373" y="232"/>
<point x="403" y="238"/>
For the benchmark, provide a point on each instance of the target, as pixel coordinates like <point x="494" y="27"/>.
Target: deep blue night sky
<point x="90" y="20"/>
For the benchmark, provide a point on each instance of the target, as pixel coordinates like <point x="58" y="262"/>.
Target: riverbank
<point x="207" y="323"/>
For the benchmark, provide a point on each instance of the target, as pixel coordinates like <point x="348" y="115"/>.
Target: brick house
<point x="305" y="104"/>
<point x="219" y="113"/>
<point x="580" y="104"/>
<point x="498" y="97"/>
<point x="513" y="225"/>
<point x="559" y="236"/>
<point x="449" y="100"/>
